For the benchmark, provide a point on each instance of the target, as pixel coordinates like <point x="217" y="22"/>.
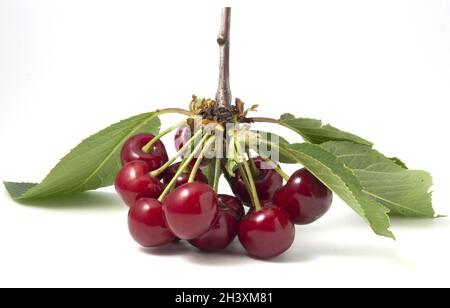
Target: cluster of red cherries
<point x="193" y="211"/>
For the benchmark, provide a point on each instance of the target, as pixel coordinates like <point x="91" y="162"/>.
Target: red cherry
<point x="190" y="210"/>
<point x="232" y="203"/>
<point x="267" y="233"/>
<point x="132" y="150"/>
<point x="168" y="175"/>
<point x="221" y="234"/>
<point x="304" y="197"/>
<point x="134" y="182"/>
<point x="267" y="183"/>
<point x="146" y="223"/>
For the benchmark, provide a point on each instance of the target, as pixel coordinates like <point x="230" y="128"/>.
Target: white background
<point x="380" y="69"/>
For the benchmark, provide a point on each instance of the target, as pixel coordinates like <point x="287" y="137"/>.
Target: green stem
<point x="277" y="168"/>
<point x="272" y="121"/>
<point x="246" y="182"/>
<point x="216" y="174"/>
<point x="148" y="147"/>
<point x="174" y="110"/>
<point x="256" y="202"/>
<point x="255" y="170"/>
<point x="242" y="173"/>
<point x="264" y="120"/>
<point x="182" y="167"/>
<point x="198" y="162"/>
<point x="210" y="173"/>
<point x="178" y="154"/>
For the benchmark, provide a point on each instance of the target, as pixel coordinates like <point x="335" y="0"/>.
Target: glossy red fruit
<point x="132" y="150"/>
<point x="304" y="197"/>
<point x="221" y="234"/>
<point x="232" y="203"/>
<point x="146" y="223"/>
<point x="267" y="183"/>
<point x="267" y="233"/>
<point x="168" y="175"/>
<point x="190" y="210"/>
<point x="134" y="182"/>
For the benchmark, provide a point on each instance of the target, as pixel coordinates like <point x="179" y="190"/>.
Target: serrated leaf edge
<point x="372" y="195"/>
<point x="284" y="122"/>
<point x="362" y="212"/>
<point x="152" y="115"/>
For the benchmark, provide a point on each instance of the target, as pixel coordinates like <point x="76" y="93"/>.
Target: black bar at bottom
<point x="221" y="297"/>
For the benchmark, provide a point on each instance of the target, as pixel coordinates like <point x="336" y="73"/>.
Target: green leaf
<point x="287" y="116"/>
<point x="405" y="192"/>
<point x="313" y="131"/>
<point x="342" y="182"/>
<point x="16" y="190"/>
<point x="399" y="162"/>
<point x="94" y="163"/>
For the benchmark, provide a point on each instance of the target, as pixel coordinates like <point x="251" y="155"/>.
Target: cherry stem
<point x="148" y="147"/>
<point x="182" y="168"/>
<point x="242" y="173"/>
<point x="256" y="173"/>
<point x="264" y="120"/>
<point x="223" y="96"/>
<point x="199" y="160"/>
<point x="256" y="202"/>
<point x="216" y="173"/>
<point x="210" y="173"/>
<point x="174" y="110"/>
<point x="246" y="182"/>
<point x="178" y="154"/>
<point x="269" y="120"/>
<point x="277" y="168"/>
<point x="274" y="165"/>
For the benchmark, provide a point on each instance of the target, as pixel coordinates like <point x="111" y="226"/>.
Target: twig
<point x="223" y="96"/>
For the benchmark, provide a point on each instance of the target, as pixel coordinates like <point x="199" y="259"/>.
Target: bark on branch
<point x="223" y="96"/>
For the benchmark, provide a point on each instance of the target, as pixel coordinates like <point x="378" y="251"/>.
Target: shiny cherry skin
<point x="168" y="175"/>
<point x="233" y="204"/>
<point x="190" y="210"/>
<point x="304" y="197"/>
<point x="267" y="183"/>
<point x="134" y="182"/>
<point x="221" y="234"/>
<point x="267" y="233"/>
<point x="146" y="223"/>
<point x="132" y="150"/>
